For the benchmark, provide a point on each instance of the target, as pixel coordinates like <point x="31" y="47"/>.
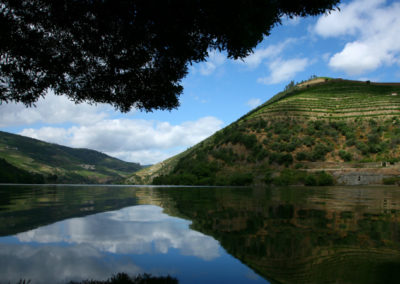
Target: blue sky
<point x="360" y="42"/>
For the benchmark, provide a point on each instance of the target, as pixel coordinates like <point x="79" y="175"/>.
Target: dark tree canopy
<point x="131" y="53"/>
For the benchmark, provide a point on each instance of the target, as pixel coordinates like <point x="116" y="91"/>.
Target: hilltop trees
<point x="130" y="53"/>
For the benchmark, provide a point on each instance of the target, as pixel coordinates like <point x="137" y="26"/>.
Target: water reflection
<point x="58" y="264"/>
<point x="135" y="239"/>
<point x="287" y="235"/>
<point x="303" y="235"/>
<point x="133" y="230"/>
<point x="26" y="207"/>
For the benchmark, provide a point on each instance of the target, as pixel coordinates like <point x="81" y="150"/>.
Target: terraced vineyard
<point x="336" y="99"/>
<point x="319" y="132"/>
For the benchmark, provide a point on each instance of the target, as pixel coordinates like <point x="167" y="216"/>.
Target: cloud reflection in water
<point x="133" y="230"/>
<point x="100" y="245"/>
<point x="59" y="264"/>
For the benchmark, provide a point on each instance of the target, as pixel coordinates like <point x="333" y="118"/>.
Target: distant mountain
<point x="27" y="160"/>
<point x="319" y="132"/>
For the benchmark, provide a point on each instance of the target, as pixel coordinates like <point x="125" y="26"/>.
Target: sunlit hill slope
<point x="27" y="160"/>
<point x="322" y="131"/>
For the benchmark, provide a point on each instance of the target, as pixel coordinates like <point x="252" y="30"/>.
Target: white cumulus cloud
<point x="262" y="54"/>
<point x="283" y="70"/>
<point x="52" y="109"/>
<point x="373" y="26"/>
<point x="272" y="57"/>
<point x="59" y="120"/>
<point x="49" y="134"/>
<point x="133" y="140"/>
<point x="254" y="102"/>
<point x="214" y="60"/>
<point x="146" y="157"/>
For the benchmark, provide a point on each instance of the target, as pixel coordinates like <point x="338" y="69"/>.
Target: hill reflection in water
<point x="286" y="235"/>
<point x="303" y="235"/>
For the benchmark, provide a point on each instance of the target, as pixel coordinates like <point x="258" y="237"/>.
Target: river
<point x="57" y="233"/>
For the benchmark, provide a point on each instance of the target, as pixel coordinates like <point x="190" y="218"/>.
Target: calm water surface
<point x="55" y="234"/>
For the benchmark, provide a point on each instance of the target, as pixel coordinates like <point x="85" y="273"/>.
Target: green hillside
<point x="319" y="132"/>
<point x="27" y="160"/>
